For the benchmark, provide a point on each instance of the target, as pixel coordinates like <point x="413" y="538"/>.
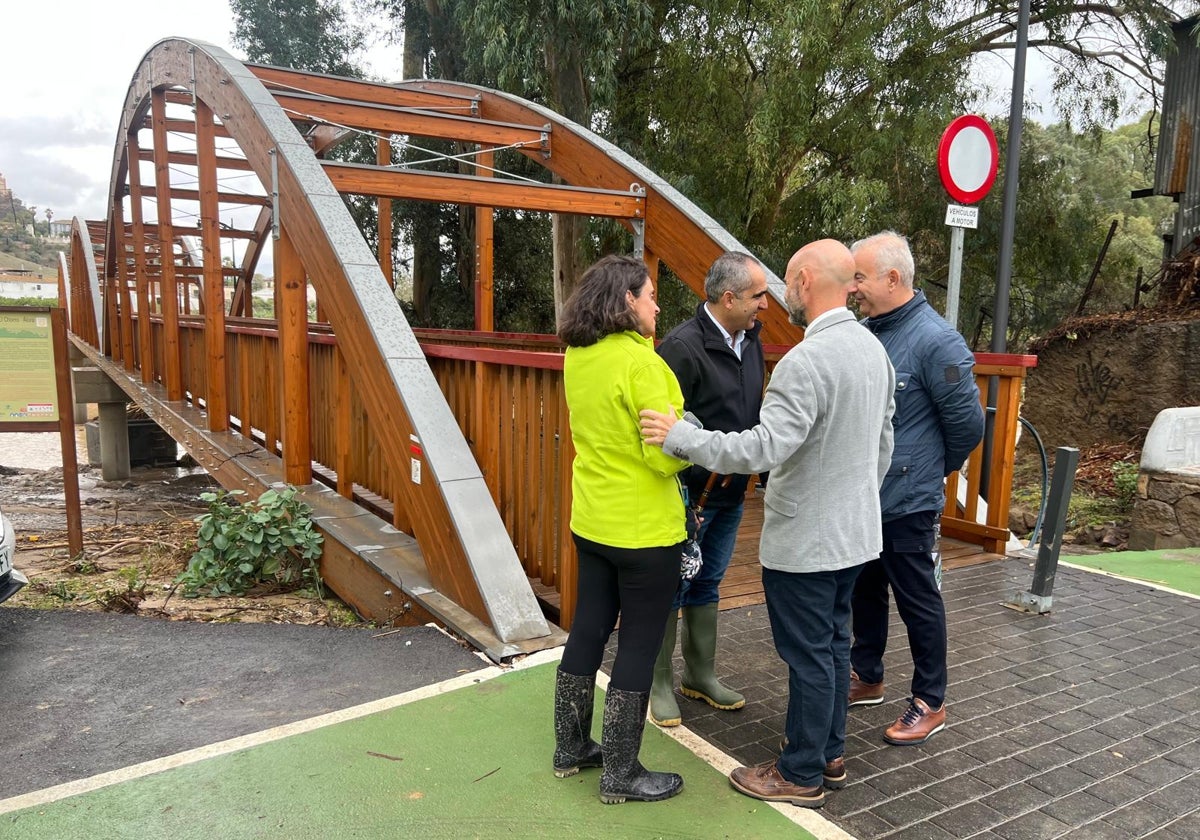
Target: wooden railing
<point x="965" y="522"/>
<point x="506" y="392"/>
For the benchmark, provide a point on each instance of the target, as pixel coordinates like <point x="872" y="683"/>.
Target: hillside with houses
<point x="29" y="249"/>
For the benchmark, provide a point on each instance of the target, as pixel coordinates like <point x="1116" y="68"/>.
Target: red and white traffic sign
<point x="968" y="158"/>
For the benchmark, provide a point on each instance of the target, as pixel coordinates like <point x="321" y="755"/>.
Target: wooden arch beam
<point x="487" y="192"/>
<point x="340" y="87"/>
<point x="677" y="231"/>
<point x="467" y="550"/>
<point x="397" y="120"/>
<point x="83" y="287"/>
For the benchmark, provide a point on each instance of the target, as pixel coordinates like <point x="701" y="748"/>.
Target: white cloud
<point x="68" y="68"/>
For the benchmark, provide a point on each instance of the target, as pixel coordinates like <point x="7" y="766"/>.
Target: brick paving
<point x="1084" y="723"/>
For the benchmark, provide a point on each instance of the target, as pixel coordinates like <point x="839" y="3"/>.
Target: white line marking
<point x="810" y="820"/>
<point x="254" y="739"/>
<point x="807" y="818"/>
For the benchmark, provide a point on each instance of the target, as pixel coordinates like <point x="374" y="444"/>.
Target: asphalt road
<point x="84" y="693"/>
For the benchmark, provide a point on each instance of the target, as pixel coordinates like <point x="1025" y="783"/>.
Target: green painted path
<point x="1175" y="568"/>
<point x="473" y="762"/>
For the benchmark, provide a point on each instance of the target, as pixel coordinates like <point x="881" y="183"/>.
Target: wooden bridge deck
<point x="742" y="586"/>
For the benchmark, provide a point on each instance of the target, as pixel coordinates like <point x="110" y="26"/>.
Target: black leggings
<point x="636" y="583"/>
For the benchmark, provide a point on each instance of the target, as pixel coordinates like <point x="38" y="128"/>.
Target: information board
<point x="28" y="389"/>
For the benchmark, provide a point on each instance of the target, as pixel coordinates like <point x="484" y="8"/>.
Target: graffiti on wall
<point x="1096" y="390"/>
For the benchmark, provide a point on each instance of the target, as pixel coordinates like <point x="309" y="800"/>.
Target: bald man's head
<point x="818" y="279"/>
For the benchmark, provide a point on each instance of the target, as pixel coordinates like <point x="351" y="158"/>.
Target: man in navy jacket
<point x="718" y="359"/>
<point x="938" y="422"/>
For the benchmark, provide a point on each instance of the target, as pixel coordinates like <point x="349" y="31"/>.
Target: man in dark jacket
<point x="718" y="359"/>
<point x="938" y="421"/>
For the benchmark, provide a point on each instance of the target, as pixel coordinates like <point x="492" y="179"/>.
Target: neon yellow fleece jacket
<point x="625" y="492"/>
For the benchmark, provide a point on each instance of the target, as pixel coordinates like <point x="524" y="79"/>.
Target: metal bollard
<point x="1039" y="597"/>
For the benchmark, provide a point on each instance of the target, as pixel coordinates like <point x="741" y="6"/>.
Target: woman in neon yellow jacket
<point x="627" y="519"/>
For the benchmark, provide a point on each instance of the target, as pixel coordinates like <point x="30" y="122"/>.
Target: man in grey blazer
<point x="825" y="432"/>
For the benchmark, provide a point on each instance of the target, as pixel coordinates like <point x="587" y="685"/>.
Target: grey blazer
<point x="826" y="435"/>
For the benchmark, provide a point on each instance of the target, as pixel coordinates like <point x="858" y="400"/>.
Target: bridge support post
<point x="114" y="441"/>
<point x="92" y="385"/>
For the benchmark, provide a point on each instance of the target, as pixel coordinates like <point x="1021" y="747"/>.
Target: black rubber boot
<point x="574" y="748"/>
<point x="624" y="776"/>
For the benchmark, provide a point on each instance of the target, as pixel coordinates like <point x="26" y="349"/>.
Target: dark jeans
<point x="907" y="566"/>
<point x="635" y="583"/>
<point x="810" y="621"/>
<point x="717" y="535"/>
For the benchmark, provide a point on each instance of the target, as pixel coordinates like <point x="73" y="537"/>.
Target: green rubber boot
<point x="699" y="650"/>
<point x="664" y="711"/>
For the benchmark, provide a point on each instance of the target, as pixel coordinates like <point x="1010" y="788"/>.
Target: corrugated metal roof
<point x="1177" y="167"/>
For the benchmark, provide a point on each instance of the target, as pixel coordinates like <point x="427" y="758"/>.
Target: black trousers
<point x="636" y="584"/>
<point x="906" y="565"/>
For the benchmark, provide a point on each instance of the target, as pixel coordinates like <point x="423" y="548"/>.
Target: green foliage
<point x="240" y="545"/>
<point x="786" y="120"/>
<point x="566" y="52"/>
<point x="28" y="301"/>
<point x="24" y="241"/>
<point x="304" y="34"/>
<point x="1125" y="480"/>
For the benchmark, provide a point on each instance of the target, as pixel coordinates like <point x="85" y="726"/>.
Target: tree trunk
<point x="568" y="95"/>
<point x="426" y="254"/>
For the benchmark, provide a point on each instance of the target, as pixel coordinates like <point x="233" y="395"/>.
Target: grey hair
<point x="730" y="272"/>
<point x="891" y="252"/>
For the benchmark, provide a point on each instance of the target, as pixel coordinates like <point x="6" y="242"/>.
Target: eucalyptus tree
<point x="796" y="106"/>
<point x="566" y="55"/>
<point x="313" y="35"/>
<point x="785" y="119"/>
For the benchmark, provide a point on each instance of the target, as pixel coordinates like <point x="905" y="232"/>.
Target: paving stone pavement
<point x="1083" y="723"/>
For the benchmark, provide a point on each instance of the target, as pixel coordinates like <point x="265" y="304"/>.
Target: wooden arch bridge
<point x="437" y="462"/>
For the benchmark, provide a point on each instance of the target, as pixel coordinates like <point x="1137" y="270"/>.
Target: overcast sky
<point x="66" y="75"/>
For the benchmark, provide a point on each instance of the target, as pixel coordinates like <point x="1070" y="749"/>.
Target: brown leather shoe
<point x="764" y="782"/>
<point x="917" y="725"/>
<point x="834" y="776"/>
<point x="864" y="693"/>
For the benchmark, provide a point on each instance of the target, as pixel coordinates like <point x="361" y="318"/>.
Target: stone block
<point x="1187" y="514"/>
<point x="1171" y="487"/>
<point x="1143" y="540"/>
<point x="1151" y="515"/>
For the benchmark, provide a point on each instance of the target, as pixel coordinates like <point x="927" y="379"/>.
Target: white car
<point x="10" y="579"/>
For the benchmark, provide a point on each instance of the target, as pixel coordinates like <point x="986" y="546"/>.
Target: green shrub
<point x="240" y="545"/>
<point x="1125" y="480"/>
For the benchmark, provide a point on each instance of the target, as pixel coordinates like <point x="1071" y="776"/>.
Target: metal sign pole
<point x="954" y="281"/>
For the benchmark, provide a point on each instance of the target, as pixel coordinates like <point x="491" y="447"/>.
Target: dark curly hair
<point x="598" y="307"/>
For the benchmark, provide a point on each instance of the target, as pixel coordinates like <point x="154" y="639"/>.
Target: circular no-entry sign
<point x="967" y="159"/>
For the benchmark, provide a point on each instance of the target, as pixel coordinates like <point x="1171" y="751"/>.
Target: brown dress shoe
<point x="765" y="782"/>
<point x="917" y="725"/>
<point x="864" y="693"/>
<point x="834" y="776"/>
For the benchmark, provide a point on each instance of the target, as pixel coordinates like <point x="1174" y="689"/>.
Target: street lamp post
<point x="1012" y="163"/>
